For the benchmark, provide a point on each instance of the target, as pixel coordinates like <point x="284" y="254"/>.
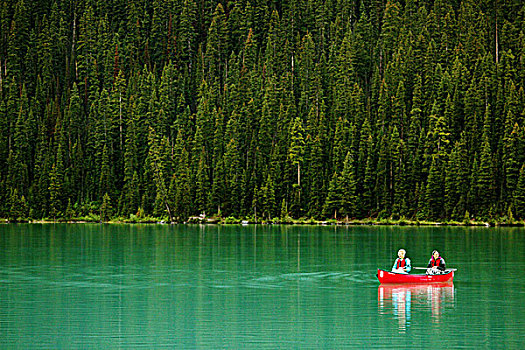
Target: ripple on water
<point x="325" y="279"/>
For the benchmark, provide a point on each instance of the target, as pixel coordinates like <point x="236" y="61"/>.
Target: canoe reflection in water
<point x="403" y="299"/>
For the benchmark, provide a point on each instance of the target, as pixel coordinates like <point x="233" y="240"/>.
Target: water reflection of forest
<point x="402" y="300"/>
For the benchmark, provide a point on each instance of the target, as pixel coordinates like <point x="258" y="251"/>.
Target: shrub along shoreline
<point x="501" y="222"/>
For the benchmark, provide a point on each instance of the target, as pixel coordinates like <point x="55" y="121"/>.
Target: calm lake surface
<point x="96" y="286"/>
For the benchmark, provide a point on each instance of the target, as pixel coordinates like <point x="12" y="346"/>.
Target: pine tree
<point x="382" y="185"/>
<point x="306" y="74"/>
<point x="19" y="164"/>
<point x="434" y="190"/>
<point x="106" y="210"/>
<point x="55" y="187"/>
<point x="348" y="188"/>
<point x="267" y="127"/>
<point x="284" y="211"/>
<point x="267" y="194"/>
<point x="332" y="204"/>
<point x="232" y="164"/>
<point x="362" y="48"/>
<point x="87" y="52"/>
<point x="390" y="29"/>
<point x="341" y="144"/>
<point x="519" y="194"/>
<point x="105" y="177"/>
<point x="39" y="192"/>
<point x="316" y="172"/>
<point x="236" y="27"/>
<point x="219" y="187"/>
<point x="368" y="199"/>
<point x="19" y="40"/>
<point x="511" y="161"/>
<point x="202" y="185"/>
<point x="451" y="187"/>
<point x="296" y="157"/>
<point x="130" y="189"/>
<point x="398" y="174"/>
<point x="159" y="166"/>
<point x="461" y="180"/>
<point x="70" y="213"/>
<point x="18" y="207"/>
<point x="159" y="32"/>
<point x="216" y="46"/>
<point x="181" y="191"/>
<point x="485" y="179"/>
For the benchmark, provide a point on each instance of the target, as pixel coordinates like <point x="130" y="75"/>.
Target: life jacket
<point x="401" y="263"/>
<point x="435" y="262"/>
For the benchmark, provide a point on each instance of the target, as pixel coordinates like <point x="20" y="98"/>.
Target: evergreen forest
<point x="323" y="109"/>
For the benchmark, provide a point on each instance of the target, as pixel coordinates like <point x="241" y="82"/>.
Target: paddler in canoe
<point x="402" y="263"/>
<point x="436" y="264"/>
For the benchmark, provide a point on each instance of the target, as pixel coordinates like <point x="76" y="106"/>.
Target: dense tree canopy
<point x="317" y="108"/>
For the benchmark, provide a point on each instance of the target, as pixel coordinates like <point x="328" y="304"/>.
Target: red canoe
<point x="387" y="277"/>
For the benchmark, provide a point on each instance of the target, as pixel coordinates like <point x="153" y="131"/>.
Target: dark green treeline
<point x="306" y="108"/>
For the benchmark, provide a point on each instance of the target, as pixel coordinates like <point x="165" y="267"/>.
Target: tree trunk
<point x="169" y="211"/>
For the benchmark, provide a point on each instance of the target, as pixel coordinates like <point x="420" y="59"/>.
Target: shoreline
<point x="302" y="221"/>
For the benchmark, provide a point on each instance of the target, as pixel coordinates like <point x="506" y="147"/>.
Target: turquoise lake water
<point x="95" y="286"/>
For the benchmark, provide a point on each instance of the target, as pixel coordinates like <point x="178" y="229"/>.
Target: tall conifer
<point x="519" y="194"/>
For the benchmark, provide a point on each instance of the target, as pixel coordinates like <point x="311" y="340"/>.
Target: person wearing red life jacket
<point x="402" y="263"/>
<point x="436" y="264"/>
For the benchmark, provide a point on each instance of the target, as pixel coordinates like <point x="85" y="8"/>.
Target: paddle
<point x="424" y="268"/>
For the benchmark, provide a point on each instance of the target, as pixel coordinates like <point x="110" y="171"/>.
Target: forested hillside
<point x="306" y="108"/>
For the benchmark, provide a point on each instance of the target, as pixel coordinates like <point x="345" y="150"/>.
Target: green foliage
<point x="106" y="210"/>
<point x="56" y="187"/>
<point x="18" y="207"/>
<point x="434" y="192"/>
<point x="519" y="194"/>
<point x="332" y="204"/>
<point x="70" y="213"/>
<point x="300" y="108"/>
<point x="297" y="143"/>
<point x="348" y="188"/>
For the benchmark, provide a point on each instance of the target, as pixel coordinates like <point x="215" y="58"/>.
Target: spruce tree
<point x="451" y="188"/>
<point x="202" y="185"/>
<point x="106" y="210"/>
<point x="182" y="190"/>
<point x="19" y="40"/>
<point x="18" y="207"/>
<point x="348" y="188"/>
<point x="434" y="190"/>
<point x="316" y="178"/>
<point x="267" y="198"/>
<point x="332" y="204"/>
<point x="216" y="47"/>
<point x="219" y="187"/>
<point x="485" y="184"/>
<point x="55" y="187"/>
<point x="232" y="164"/>
<point x="382" y="186"/>
<point x="296" y="157"/>
<point x="70" y="213"/>
<point x="105" y="177"/>
<point x="368" y="198"/>
<point x="519" y="194"/>
<point x="511" y="161"/>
